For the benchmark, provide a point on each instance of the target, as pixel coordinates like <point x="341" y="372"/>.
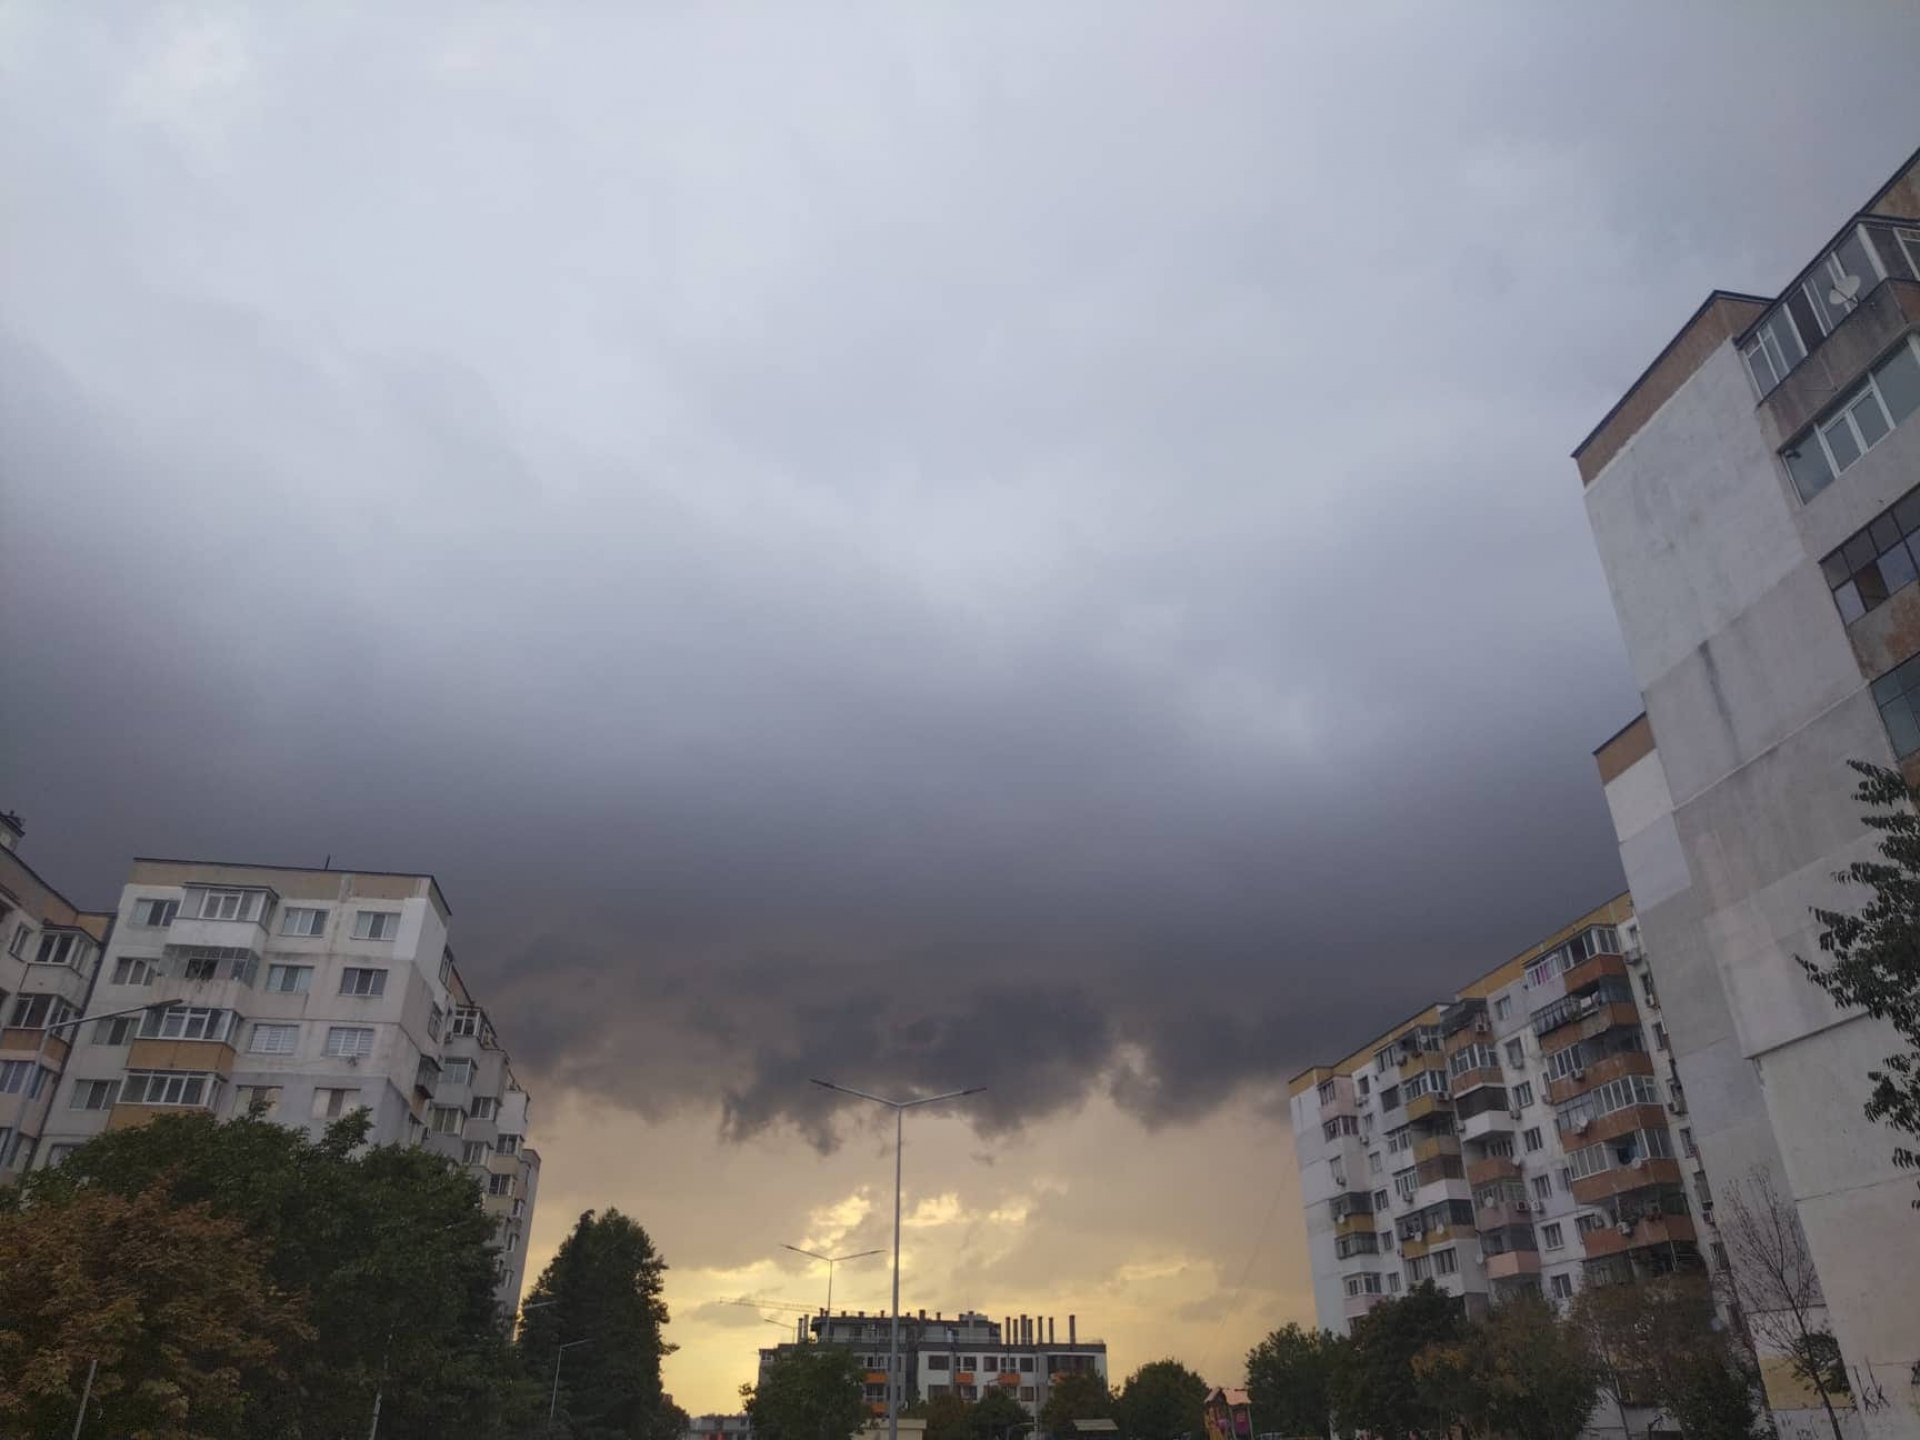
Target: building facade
<point x="966" y="1355"/>
<point x="1751" y="496"/>
<point x="49" y="955"/>
<point x="302" y="995"/>
<point x="1528" y="1133"/>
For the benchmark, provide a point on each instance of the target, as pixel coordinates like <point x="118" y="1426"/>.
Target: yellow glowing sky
<point x="1144" y="1235"/>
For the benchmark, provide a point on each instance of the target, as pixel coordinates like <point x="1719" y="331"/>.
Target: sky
<point x="936" y="545"/>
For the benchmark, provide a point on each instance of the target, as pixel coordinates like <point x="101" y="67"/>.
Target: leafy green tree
<point x="948" y="1417"/>
<point x="602" y="1290"/>
<point x="1374" y="1385"/>
<point x="170" y="1304"/>
<point x="1657" y="1343"/>
<point x="994" y="1414"/>
<point x="1289" y="1380"/>
<point x="1874" y="957"/>
<point x="811" y="1392"/>
<point x="1522" y="1372"/>
<point x="391" y="1248"/>
<point x="1161" y="1400"/>
<point x="1075" y="1395"/>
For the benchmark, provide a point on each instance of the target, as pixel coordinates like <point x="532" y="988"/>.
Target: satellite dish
<point x="1844" y="289"/>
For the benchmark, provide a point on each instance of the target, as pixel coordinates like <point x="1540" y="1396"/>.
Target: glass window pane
<point x="1840" y="441"/>
<point x="1902" y="728"/>
<point x="1807" y="464"/>
<point x="1885" y="532"/>
<point x="1872" y="588"/>
<point x="1897" y="568"/>
<point x="1835" y="569"/>
<point x="1899" y="380"/>
<point x="1859" y="552"/>
<point x="1886" y="687"/>
<point x="1852" y="256"/>
<point x="1871" y="419"/>
<point x="1761" y="368"/>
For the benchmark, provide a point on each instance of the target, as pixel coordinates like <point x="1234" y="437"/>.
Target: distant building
<point x="718" y="1427"/>
<point x="966" y="1355"/>
<point x="1755" y="500"/>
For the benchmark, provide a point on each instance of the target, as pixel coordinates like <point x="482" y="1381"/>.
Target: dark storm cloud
<point x="1030" y="549"/>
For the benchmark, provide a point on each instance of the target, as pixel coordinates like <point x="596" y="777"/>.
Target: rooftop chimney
<point x="1050" y="1329"/>
<point x="1072" y="1331"/>
<point x="12" y="827"/>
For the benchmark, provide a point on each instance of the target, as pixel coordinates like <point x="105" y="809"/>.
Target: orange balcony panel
<point x="1009" y="1377"/>
<point x="1434" y="1146"/>
<point x="1425" y="1060"/>
<point x="212" y="1055"/>
<point x="1627" y="1062"/>
<point x="19" y="1039"/>
<point x="1594" y="969"/>
<point x="1480" y="1030"/>
<point x="1592" y="1189"/>
<point x="1473" y="1079"/>
<point x="1353" y="1225"/>
<point x="1509" y="1263"/>
<point x="876" y="1377"/>
<point x="1422" y="1106"/>
<point x="1668" y="1229"/>
<point x="1624" y="1122"/>
<point x="1597" y="1021"/>
<point x="960" y="1377"/>
<point x="1494" y="1167"/>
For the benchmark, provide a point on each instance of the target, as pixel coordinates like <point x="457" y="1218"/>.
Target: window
<point x="457" y="1071"/>
<point x="1562" y="1287"/>
<point x="230" y="904"/>
<point x="1026" y="1391"/>
<point x="249" y="1098"/>
<point x="1659" y="1036"/>
<point x="1362" y="1085"/>
<point x="37" y="1012"/>
<point x="363" y="982"/>
<point x="507" y="1145"/>
<point x="350" y="1041"/>
<point x="1687" y="1147"/>
<point x="1026" y="1364"/>
<point x="1523" y="1094"/>
<point x="1565" y="1178"/>
<point x="1876" y="560"/>
<point x="466" y="1021"/>
<point x="290" y="979"/>
<point x="57" y="1154"/>
<point x="155" y="912"/>
<point x="273" y="1039"/>
<point x="1897" y="693"/>
<point x="1406" y="1185"/>
<point x="375" y="924"/>
<point x="1542" y="1187"/>
<point x="1553" y="1236"/>
<point x="332" y="1104"/>
<point x="1326" y="1092"/>
<point x="1533" y="1139"/>
<point x="446" y="1119"/>
<point x="56" y="947"/>
<point x="1589" y="1222"/>
<point x="1890" y="393"/>
<point x="1445" y="1262"/>
<point x="167" y="1087"/>
<point x="17" y="946"/>
<point x="197" y="965"/>
<point x="499" y="1185"/>
<point x="484" y="1107"/>
<point x="1503" y="1007"/>
<point x="1774" y="350"/>
<point x="1498" y="1147"/>
<point x="120" y="1030"/>
<point x="436" y="1017"/>
<point x="1373" y="1163"/>
<point x="303" y="920"/>
<point x="1393" y="1282"/>
<point x="1419" y="1269"/>
<point x="1340" y="1125"/>
<point x="14" y="1078"/>
<point x="1390" y="1098"/>
<point x="1379" y="1201"/>
<point x="1516" y="1052"/>
<point x="186" y="1022"/>
<point x="473" y="1152"/>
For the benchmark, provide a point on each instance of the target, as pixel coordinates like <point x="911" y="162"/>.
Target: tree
<point x="1374" y="1385"/>
<point x="1161" y="1399"/>
<point x="993" y="1415"/>
<point x="1778" y="1290"/>
<point x="1289" y="1379"/>
<point x="1657" y="1343"/>
<point x="1522" y="1372"/>
<point x="948" y="1417"/>
<point x="170" y="1303"/>
<point x="391" y="1248"/>
<point x="811" y="1392"/>
<point x="1874" y="956"/>
<point x="602" y="1289"/>
<point x="1075" y="1395"/>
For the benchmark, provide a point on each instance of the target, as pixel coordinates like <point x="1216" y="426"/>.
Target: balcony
<point x="1358" y="1305"/>
<point x="1586" y="1017"/>
<point x="1610" y="1067"/>
<point x="1619" y="1179"/>
<point x="1593" y="970"/>
<point x="1353" y="1224"/>
<point x="1436" y="1237"/>
<point x="1617" y="1240"/>
<point x="213" y="1055"/>
<point x="1421" y="1106"/>
<point x="1475" y="1079"/>
<point x="21" y="1041"/>
<point x="1511" y="1263"/>
<point x="1839" y="362"/>
<point x="1503" y="1216"/>
<point x="1494" y="1167"/>
<point x="1435" y="1146"/>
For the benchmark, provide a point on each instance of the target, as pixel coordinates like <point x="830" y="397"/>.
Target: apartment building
<point x="1528" y="1133"/>
<point x="304" y="995"/>
<point x="967" y="1355"/>
<point x="49" y="954"/>
<point x="1751" y="496"/>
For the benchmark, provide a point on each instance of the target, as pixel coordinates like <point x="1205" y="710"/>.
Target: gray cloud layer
<point x="939" y="547"/>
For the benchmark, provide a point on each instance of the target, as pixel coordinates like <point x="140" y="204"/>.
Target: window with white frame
<point x="37" y="1012"/>
<point x="484" y="1107"/>
<point x="290" y="979"/>
<point x="1534" y="1139"/>
<point x="446" y="1119"/>
<point x="134" y="970"/>
<point x="376" y="924"/>
<point x="1326" y="1092"/>
<point x="17" y="946"/>
<point x="304" y="920"/>
<point x="1445" y="1262"/>
<point x="436" y="1017"/>
<point x="168" y="1087"/>
<point x="457" y="1071"/>
<point x="349" y="1042"/>
<point x="1542" y="1187"/>
<point x="1553" y="1236"/>
<point x="1523" y="1094"/>
<point x="1419" y="1268"/>
<point x="231" y="904"/>
<point x="22" y="1077"/>
<point x="1863" y="418"/>
<point x="1516" y="1052"/>
<point x="58" y="947"/>
<point x="507" y="1145"/>
<point x="187" y="1022"/>
<point x="1562" y="1287"/>
<point x="473" y="1152"/>
<point x="331" y="1103"/>
<point x="1502" y="1007"/>
<point x="155" y="913"/>
<point x="274" y="1039"/>
<point x="466" y="1021"/>
<point x="499" y="1185"/>
<point x="95" y="1094"/>
<point x="249" y="1098"/>
<point x="57" y="1155"/>
<point x="119" y="1030"/>
<point x="1406" y="1185"/>
<point x="357" y="981"/>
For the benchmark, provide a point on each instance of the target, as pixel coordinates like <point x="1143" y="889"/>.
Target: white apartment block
<point x="1755" y="500"/>
<point x="305" y="995"/>
<point x="1528" y="1134"/>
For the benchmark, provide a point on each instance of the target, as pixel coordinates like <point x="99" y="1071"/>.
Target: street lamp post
<point x="553" y="1400"/>
<point x="27" y="1094"/>
<point x="832" y="1260"/>
<point x="899" y="1108"/>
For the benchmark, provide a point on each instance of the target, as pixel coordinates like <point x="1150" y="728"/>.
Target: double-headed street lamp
<point x="832" y="1260"/>
<point x="899" y="1108"/>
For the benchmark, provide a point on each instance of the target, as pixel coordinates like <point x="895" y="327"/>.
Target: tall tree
<point x="1874" y="957"/>
<point x="1778" y="1290"/>
<point x="1374" y="1385"/>
<point x="1522" y="1372"/>
<point x="1657" y="1343"/>
<point x="811" y="1392"/>
<point x="1161" y="1401"/>
<point x="601" y="1297"/>
<point x="1289" y="1381"/>
<point x="162" y="1313"/>
<point x="994" y="1415"/>
<point x="1076" y="1395"/>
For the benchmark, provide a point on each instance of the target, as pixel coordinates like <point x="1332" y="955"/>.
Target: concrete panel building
<point x="1527" y="1134"/>
<point x="304" y="995"/>
<point x="1751" y="497"/>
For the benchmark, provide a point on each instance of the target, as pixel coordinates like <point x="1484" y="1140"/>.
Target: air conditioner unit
<point x="1480" y="1025"/>
<point x="1625" y="1227"/>
<point x="1523" y="1207"/>
<point x="1513" y="1112"/>
<point x="1676" y="1107"/>
<point x="1636" y="957"/>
